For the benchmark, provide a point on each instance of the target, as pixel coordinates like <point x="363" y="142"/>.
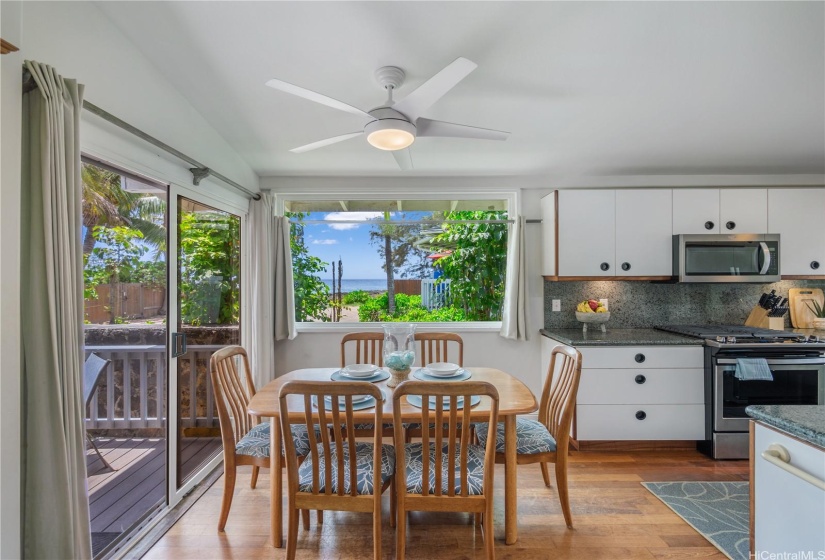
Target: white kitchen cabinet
<point x="788" y="512"/>
<point x="617" y="422"/>
<point x="644" y="244"/>
<point x="587" y="232"/>
<point x="798" y="216"/>
<point x="720" y="211"/>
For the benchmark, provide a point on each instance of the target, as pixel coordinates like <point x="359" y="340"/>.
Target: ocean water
<point x="366" y="284"/>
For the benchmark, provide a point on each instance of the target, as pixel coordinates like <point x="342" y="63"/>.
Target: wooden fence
<point x="409" y="287"/>
<point x="124" y="300"/>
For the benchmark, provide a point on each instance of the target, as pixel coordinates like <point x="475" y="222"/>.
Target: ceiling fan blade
<point x="433" y="89"/>
<point x="325" y="142"/>
<point x="403" y="158"/>
<point x="317" y="97"/>
<point x="428" y="127"/>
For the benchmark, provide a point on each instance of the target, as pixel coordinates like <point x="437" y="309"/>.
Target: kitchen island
<point x="787" y="459"/>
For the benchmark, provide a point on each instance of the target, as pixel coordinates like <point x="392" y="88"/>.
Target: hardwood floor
<point x="614" y="516"/>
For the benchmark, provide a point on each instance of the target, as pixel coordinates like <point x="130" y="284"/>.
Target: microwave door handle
<point x="767" y="253"/>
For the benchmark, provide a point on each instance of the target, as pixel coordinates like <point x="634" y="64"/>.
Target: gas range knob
<point x="720" y="339"/>
<point x="813" y="339"/>
<point x="731" y="340"/>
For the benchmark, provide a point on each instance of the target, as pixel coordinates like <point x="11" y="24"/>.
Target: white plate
<point x="360" y="370"/>
<point x="355" y="398"/>
<point x="443" y="369"/>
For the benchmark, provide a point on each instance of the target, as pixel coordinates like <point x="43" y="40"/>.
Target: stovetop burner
<point x="738" y="334"/>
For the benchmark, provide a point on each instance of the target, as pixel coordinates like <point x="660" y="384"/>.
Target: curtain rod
<point x="408" y="222"/>
<point x="199" y="172"/>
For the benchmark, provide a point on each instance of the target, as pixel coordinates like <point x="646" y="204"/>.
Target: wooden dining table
<point x="514" y="399"/>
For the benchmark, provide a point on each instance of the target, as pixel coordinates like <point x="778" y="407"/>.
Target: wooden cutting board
<point x="800" y="314"/>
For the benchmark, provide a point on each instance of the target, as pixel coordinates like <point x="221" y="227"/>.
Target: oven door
<point x="795" y="381"/>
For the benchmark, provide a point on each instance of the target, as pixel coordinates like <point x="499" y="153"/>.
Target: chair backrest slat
<point x="232" y="394"/>
<point x="439" y="439"/>
<point x="558" y="400"/>
<point x="465" y="441"/>
<point x="425" y="444"/>
<point x="369" y="348"/>
<point x="434" y="347"/>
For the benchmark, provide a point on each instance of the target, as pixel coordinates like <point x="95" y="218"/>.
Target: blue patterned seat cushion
<point x="256" y="442"/>
<point x="417" y="426"/>
<point x="414" y="468"/>
<point x="365" y="477"/>
<point x="531" y="437"/>
<point x="371" y="426"/>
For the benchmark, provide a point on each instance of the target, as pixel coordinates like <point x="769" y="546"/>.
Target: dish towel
<point x="753" y="369"/>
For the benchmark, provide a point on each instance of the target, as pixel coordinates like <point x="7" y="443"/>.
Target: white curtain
<point x="261" y="287"/>
<point x="514" y="314"/>
<point x="284" y="294"/>
<point x="55" y="502"/>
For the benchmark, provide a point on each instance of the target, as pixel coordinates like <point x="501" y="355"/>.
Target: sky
<point x="349" y="242"/>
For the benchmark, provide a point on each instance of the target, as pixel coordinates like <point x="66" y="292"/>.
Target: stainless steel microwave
<point x="726" y="258"/>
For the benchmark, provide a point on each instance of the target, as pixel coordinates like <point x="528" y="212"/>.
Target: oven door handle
<point x="780" y="362"/>
<point x="767" y="253"/>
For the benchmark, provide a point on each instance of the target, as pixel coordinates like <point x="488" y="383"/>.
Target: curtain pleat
<point x="55" y="499"/>
<point x="262" y="289"/>
<point x="284" y="293"/>
<point x="514" y="314"/>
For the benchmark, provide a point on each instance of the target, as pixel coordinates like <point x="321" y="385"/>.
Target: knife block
<point x="759" y="318"/>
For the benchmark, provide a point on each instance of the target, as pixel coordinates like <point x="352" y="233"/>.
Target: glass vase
<point x="399" y="351"/>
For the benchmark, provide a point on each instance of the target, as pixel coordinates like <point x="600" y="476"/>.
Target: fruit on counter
<point x="591" y="306"/>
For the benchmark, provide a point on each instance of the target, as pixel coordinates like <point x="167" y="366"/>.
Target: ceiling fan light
<point x="390" y="134"/>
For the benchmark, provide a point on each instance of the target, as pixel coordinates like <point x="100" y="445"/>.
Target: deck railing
<point x="435" y="293"/>
<point x="132" y="393"/>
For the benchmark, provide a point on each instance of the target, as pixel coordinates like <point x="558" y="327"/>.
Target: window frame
<point x="511" y="196"/>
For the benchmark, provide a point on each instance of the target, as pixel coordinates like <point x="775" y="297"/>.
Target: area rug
<point x="718" y="510"/>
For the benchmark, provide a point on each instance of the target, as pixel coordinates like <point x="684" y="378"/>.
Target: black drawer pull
<point x="604" y="266"/>
<point x="730" y="225"/>
<point x="640" y="379"/>
<point x="640" y="415"/>
<point x="814" y="264"/>
<point x="639" y="358"/>
<point x="626" y="266"/>
<point x="709" y="225"/>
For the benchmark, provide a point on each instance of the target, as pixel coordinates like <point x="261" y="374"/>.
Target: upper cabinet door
<point x="587" y="232"/>
<point x="644" y="224"/>
<point x="695" y="211"/>
<point x="743" y="210"/>
<point x="798" y="216"/>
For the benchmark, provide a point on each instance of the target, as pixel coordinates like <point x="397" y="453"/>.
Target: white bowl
<point x="592" y="317"/>
<point x="443" y="369"/>
<point x="360" y="370"/>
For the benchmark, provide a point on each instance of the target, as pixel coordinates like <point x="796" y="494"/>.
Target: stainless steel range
<point x="797" y="376"/>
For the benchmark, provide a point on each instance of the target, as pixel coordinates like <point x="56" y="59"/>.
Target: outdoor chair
<point x="447" y="473"/>
<point x="93" y="370"/>
<point x="547" y="440"/>
<point x="338" y="474"/>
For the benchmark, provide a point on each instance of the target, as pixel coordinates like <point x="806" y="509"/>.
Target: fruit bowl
<point x="599" y="318"/>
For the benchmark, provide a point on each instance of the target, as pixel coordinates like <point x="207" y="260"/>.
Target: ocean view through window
<point x="398" y="260"/>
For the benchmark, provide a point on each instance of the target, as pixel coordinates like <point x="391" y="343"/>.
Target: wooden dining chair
<point x="338" y="474"/>
<point x="445" y="472"/>
<point x="547" y="439"/>
<point x="435" y="347"/>
<point x="368" y="349"/>
<point x="245" y="440"/>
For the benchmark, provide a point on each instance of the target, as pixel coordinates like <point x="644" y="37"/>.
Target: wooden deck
<point x="120" y="498"/>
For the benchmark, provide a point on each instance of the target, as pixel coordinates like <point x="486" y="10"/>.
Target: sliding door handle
<point x="178" y="344"/>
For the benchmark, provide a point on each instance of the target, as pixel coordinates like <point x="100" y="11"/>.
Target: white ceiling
<point x="586" y="89"/>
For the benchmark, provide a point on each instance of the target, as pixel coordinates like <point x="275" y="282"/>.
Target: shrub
<point x="358" y="296"/>
<point x="408" y="309"/>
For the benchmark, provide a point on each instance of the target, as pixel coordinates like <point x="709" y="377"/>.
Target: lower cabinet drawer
<point x="640" y="422"/>
<point x="650" y="386"/>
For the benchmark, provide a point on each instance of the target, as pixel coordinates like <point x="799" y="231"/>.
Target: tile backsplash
<point x="648" y="304"/>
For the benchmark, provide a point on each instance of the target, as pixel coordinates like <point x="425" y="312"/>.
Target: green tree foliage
<point x="356" y="297"/>
<point x="115" y="258"/>
<point x="210" y="265"/>
<point x="476" y="262"/>
<point x="311" y="293"/>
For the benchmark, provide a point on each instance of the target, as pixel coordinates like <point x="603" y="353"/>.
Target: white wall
<point x="10" y="110"/>
<point x="522" y="359"/>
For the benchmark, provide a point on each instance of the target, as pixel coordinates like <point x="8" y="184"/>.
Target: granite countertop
<point x="620" y="337"/>
<point x="807" y="422"/>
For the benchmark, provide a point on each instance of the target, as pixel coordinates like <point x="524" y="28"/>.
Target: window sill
<point x="475" y="326"/>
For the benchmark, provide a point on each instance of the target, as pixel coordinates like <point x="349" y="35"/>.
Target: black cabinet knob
<point x="730" y="225"/>
<point x="639" y="358"/>
<point x="709" y="225"/>
<point x="626" y="266"/>
<point x="604" y="266"/>
<point x="640" y="415"/>
<point x="640" y="379"/>
<point x="814" y="264"/>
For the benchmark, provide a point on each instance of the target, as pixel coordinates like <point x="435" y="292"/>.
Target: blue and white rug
<point x="718" y="510"/>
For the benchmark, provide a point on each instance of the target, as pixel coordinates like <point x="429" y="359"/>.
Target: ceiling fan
<point x="395" y="125"/>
